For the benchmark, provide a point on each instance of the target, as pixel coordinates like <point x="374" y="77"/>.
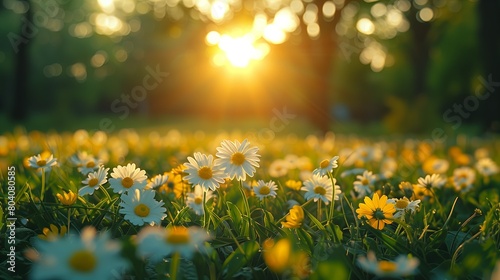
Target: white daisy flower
<point x="263" y="189"/>
<point x="364" y="183"/>
<point x="430" y="181"/>
<point x="202" y="170"/>
<point x="89" y="256"/>
<point x="486" y="167"/>
<point x="404" y="205"/>
<point x="326" y="166"/>
<point x="238" y="160"/>
<point x="278" y="168"/>
<point x="320" y="187"/>
<point x="388" y="167"/>
<point x="194" y="200"/>
<point x="157" y="181"/>
<point x="89" y="164"/>
<point x="45" y="164"/>
<point x="400" y="267"/>
<point x="127" y="178"/>
<point x="140" y="207"/>
<point x="94" y="181"/>
<point x="463" y="178"/>
<point x="156" y="243"/>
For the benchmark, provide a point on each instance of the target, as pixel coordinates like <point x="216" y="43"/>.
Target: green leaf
<point x="331" y="269"/>
<point x="238" y="259"/>
<point x="315" y="221"/>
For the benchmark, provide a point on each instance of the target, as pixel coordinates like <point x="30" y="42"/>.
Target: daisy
<point x="89" y="164"/>
<point x="202" y="170"/>
<point x="263" y="190"/>
<point x="431" y="181"/>
<point x="127" y="178"/>
<point x="140" y="207"/>
<point x="364" y="183"/>
<point x="94" y="181"/>
<point x="320" y="187"/>
<point x="435" y="165"/>
<point x="71" y="257"/>
<point x="400" y="267"/>
<point x="44" y="162"/>
<point x="194" y="200"/>
<point x="157" y="181"/>
<point x="377" y="211"/>
<point x="388" y="167"/>
<point x="156" y="243"/>
<point x="404" y="205"/>
<point x="326" y="166"/>
<point x="294" y="218"/>
<point x="278" y="168"/>
<point x="486" y="167"/>
<point x="463" y="178"/>
<point x="238" y="160"/>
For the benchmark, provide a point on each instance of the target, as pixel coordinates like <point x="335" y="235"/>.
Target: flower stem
<point x="319" y="210"/>
<point x="330" y="216"/>
<point x="42" y="193"/>
<point x="245" y="201"/>
<point x="174" y="266"/>
<point x="69" y="214"/>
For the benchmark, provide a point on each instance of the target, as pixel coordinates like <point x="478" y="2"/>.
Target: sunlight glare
<point x="219" y="10"/>
<point x="107" y="6"/>
<point x="286" y="20"/>
<point x="274" y="34"/>
<point x="240" y="51"/>
<point x="213" y="38"/>
<point x="365" y="26"/>
<point x="329" y="9"/>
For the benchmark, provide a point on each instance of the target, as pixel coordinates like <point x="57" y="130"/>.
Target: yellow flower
<point x="294" y="218"/>
<point x="277" y="255"/>
<point x="52" y="232"/>
<point x="377" y="211"/>
<point x="174" y="184"/>
<point x="294" y="185"/>
<point x="67" y="198"/>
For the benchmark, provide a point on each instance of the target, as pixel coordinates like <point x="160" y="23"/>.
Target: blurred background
<point x="404" y="66"/>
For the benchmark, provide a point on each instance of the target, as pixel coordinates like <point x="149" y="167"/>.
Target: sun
<point x="239" y="51"/>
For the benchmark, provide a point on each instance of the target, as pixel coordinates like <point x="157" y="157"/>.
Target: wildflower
<point x="194" y="200"/>
<point x="52" y="232"/>
<point x="94" y="181"/>
<point x="431" y="181"/>
<point x="294" y="185"/>
<point x="238" y="160"/>
<point x="278" y="168"/>
<point x="435" y="165"/>
<point x="45" y="162"/>
<point x="127" y="178"/>
<point x="463" y="178"/>
<point x="320" y="188"/>
<point x="364" y="183"/>
<point x="263" y="190"/>
<point x="173" y="184"/>
<point x="89" y="164"/>
<point x="400" y="267"/>
<point x="85" y="257"/>
<point x="157" y="181"/>
<point x="248" y="187"/>
<point x="326" y="166"/>
<point x="277" y="254"/>
<point x="67" y="198"/>
<point x="202" y="170"/>
<point x="404" y="205"/>
<point x="156" y="243"/>
<point x="377" y="211"/>
<point x="486" y="167"/>
<point x="294" y="218"/>
<point x="140" y="207"/>
<point x="388" y="167"/>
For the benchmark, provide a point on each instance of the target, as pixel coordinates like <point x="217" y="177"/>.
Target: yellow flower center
<point x="205" y="173"/>
<point x="237" y="158"/>
<point x="387" y="266"/>
<point x="365" y="182"/>
<point x="90" y="164"/>
<point x="93" y="182"/>
<point x="320" y="190"/>
<point x="198" y="200"/>
<point x="177" y="235"/>
<point x="82" y="261"/>
<point x="127" y="182"/>
<point x="141" y="210"/>
<point x="402" y="203"/>
<point x="41" y="162"/>
<point x="324" y="163"/>
<point x="265" y="190"/>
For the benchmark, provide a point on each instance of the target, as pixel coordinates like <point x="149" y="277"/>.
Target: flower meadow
<point x="129" y="205"/>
